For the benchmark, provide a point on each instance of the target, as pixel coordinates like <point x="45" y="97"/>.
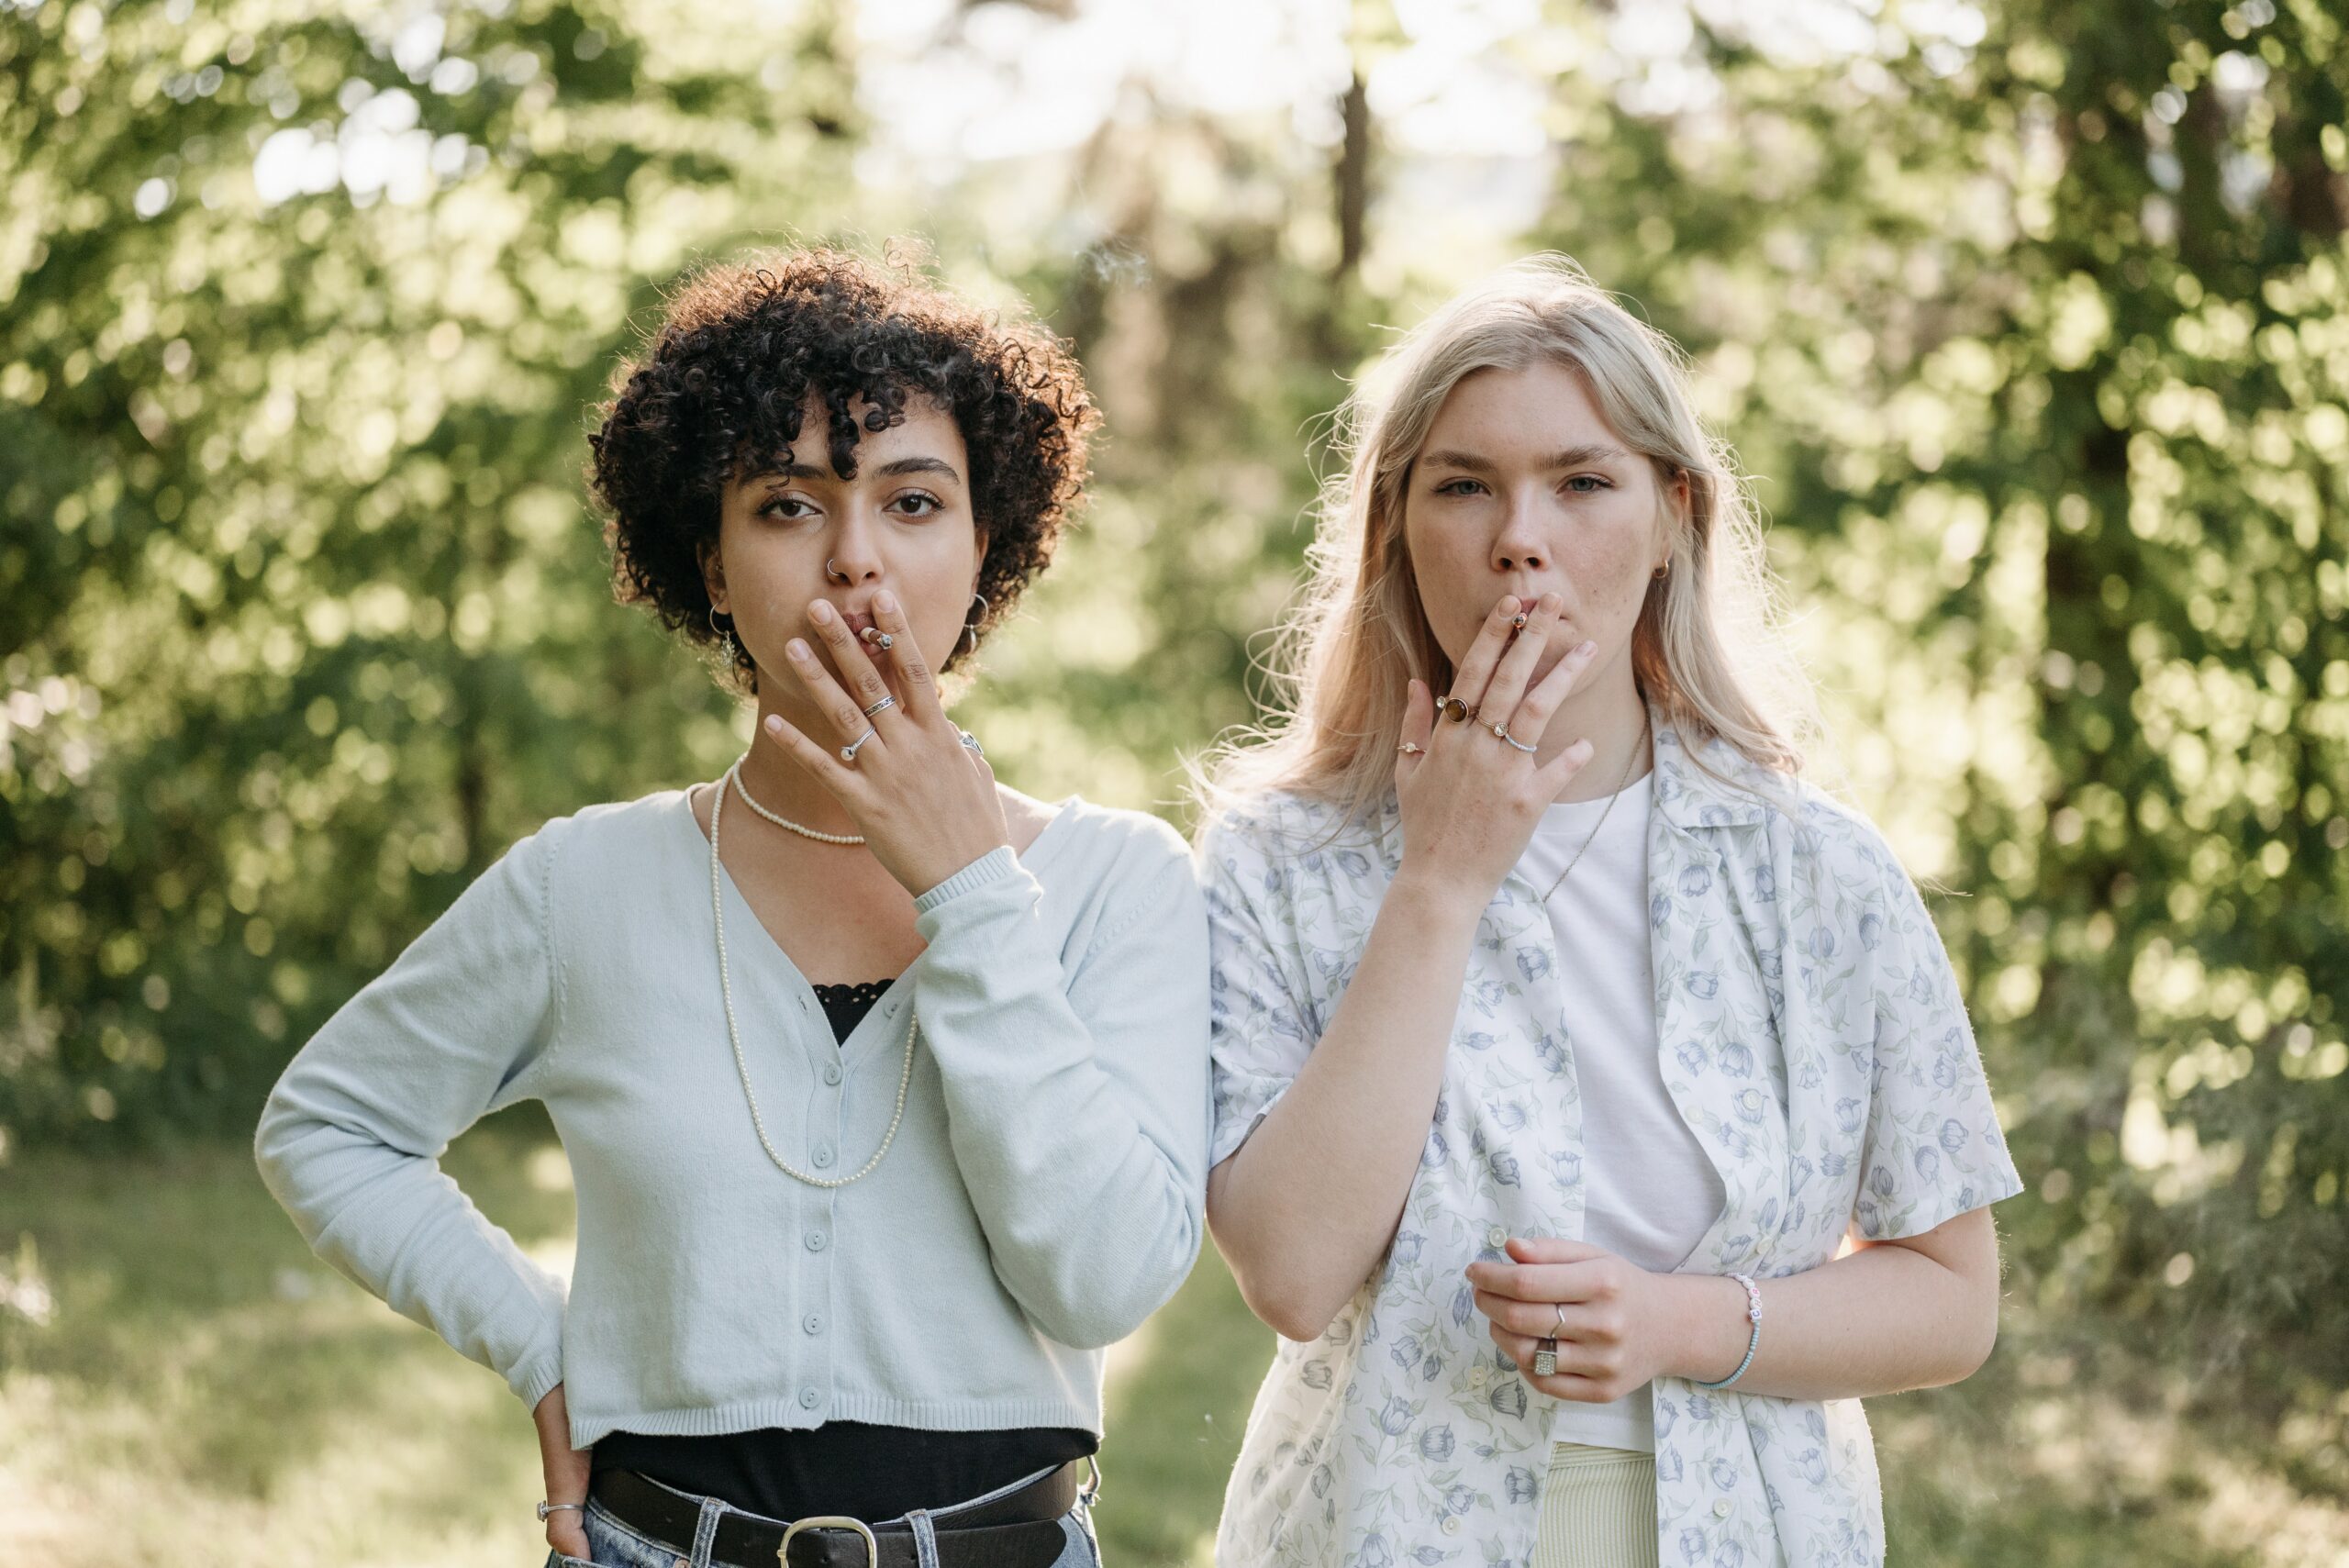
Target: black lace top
<point x="868" y="1472"/>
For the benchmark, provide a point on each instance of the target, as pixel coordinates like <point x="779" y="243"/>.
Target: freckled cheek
<point x="1610" y="577"/>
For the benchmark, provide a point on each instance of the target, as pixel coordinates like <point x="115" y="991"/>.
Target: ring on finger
<point x="1545" y="1359"/>
<point x="886" y="702"/>
<point x="1452" y="708"/>
<point x="848" y="752"/>
<point x="1561" y="1309"/>
<point x="1412" y="748"/>
<point x="1501" y="732"/>
<point x="971" y="744"/>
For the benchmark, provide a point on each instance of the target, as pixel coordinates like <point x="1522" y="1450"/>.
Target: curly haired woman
<point x="884" y="1086"/>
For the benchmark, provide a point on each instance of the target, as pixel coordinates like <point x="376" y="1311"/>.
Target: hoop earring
<point x="728" y="644"/>
<point x="971" y="628"/>
<point x="1663" y="572"/>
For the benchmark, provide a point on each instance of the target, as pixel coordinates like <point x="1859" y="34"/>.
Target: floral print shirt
<point x="1812" y="1034"/>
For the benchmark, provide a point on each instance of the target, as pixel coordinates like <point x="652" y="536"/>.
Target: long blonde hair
<point x="1340" y="665"/>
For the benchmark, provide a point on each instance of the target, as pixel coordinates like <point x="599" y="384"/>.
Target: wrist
<point x="1436" y="895"/>
<point x="1712" y="1329"/>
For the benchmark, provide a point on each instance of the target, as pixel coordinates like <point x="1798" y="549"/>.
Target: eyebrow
<point x="890" y="469"/>
<point x="1572" y="457"/>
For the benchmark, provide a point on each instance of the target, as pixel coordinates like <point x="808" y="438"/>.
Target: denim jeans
<point x="612" y="1544"/>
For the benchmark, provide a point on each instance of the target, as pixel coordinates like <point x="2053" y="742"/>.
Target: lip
<point x="857" y="621"/>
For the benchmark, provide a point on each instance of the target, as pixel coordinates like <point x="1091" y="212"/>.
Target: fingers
<point x="904" y="654"/>
<point x="1583" y="1324"/>
<point x="847" y="716"/>
<point x="849" y="658"/>
<point x="822" y="762"/>
<point x="1532" y="716"/>
<point x="1586" y="1374"/>
<point x="1589" y="1279"/>
<point x="1419" y="728"/>
<point x="1515" y="667"/>
<point x="1476" y="665"/>
<point x="1554" y="1250"/>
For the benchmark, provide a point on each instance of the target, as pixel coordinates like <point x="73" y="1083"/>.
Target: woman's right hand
<point x="1470" y="801"/>
<point x="566" y="1474"/>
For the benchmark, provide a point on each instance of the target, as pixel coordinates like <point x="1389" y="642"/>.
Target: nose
<point x="856" y="555"/>
<point x="1519" y="547"/>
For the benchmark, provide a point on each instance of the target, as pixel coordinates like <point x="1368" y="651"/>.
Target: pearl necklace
<point x="735" y="773"/>
<point x="726" y="990"/>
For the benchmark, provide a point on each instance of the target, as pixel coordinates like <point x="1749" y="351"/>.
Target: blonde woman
<point x="1596" y="1116"/>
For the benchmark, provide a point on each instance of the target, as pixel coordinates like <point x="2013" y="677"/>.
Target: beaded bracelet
<point x="1752" y="1339"/>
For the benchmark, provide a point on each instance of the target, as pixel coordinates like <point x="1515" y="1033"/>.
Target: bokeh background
<point x="2031" y="320"/>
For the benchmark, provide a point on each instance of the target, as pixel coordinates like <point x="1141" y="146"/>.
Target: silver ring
<point x="848" y="752"/>
<point x="1501" y="732"/>
<point x="546" y="1509"/>
<point x="971" y="743"/>
<point x="1561" y="1309"/>
<point x="877" y="708"/>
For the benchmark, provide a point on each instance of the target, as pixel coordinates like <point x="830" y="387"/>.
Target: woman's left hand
<point x="1617" y="1325"/>
<point x="925" y="803"/>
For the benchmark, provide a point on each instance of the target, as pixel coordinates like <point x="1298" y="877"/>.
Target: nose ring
<point x="831" y="571"/>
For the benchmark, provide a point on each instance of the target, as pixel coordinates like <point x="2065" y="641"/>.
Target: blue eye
<point x="1452" y="487"/>
<point x="1592" y="480"/>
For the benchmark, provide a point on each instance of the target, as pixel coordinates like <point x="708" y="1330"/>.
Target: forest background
<point x="2031" y="321"/>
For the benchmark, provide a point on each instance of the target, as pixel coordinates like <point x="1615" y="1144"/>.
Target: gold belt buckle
<point x="828" y="1521"/>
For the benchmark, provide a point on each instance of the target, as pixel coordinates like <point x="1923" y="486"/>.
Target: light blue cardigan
<point x="1043" y="1196"/>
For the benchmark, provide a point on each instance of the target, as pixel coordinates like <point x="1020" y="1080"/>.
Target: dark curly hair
<point x="721" y="388"/>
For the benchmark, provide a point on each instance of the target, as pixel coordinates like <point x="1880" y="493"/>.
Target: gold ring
<point x="1412" y="748"/>
<point x="1452" y="708"/>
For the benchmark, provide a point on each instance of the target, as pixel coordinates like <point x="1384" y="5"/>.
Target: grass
<point x="203" y="1393"/>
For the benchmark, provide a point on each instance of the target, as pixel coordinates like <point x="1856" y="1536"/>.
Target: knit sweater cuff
<point x="536" y="1378"/>
<point x="993" y="866"/>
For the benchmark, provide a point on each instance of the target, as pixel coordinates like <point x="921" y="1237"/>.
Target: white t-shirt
<point x="1650" y="1192"/>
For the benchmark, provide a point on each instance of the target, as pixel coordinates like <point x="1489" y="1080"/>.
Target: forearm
<point x="1883" y="1319"/>
<point x="1075" y="1108"/>
<point x="1309" y="1203"/>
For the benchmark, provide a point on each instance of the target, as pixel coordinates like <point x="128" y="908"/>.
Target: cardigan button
<point x="831" y="1071"/>
<point x="818" y="1240"/>
<point x="823" y="1156"/>
<point x="807" y="1398"/>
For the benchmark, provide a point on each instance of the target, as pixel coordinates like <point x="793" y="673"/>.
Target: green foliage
<point x="2036" y="333"/>
<point x="2043" y="348"/>
<point x="304" y="620"/>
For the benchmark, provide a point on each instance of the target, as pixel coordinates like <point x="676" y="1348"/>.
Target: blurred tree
<point x="299" y="310"/>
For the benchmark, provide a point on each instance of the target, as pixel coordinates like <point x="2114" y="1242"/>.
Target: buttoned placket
<point x="816" y="1209"/>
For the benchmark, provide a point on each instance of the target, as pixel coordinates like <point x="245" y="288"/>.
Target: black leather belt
<point x="1020" y="1529"/>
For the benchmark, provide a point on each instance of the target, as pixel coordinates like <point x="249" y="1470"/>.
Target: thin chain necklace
<point x="1620" y="785"/>
<point x="735" y="773"/>
<point x="726" y="990"/>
